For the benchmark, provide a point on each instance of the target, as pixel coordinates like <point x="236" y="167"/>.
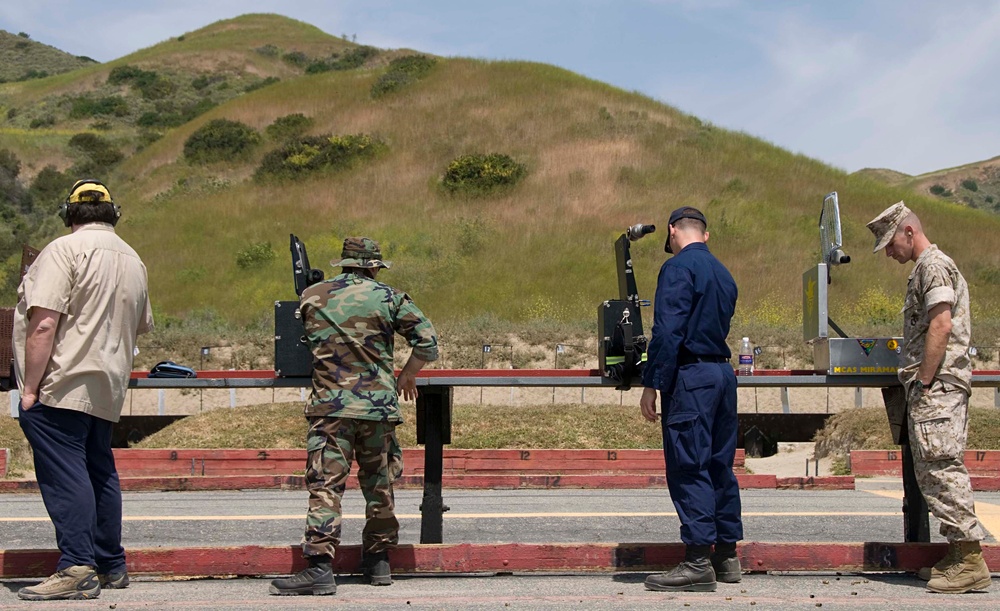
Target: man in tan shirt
<point x="80" y="307"/>
<point x="936" y="371"/>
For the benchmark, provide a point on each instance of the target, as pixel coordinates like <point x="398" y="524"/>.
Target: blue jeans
<point x="79" y="483"/>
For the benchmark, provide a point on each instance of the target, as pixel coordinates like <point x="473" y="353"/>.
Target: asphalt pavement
<point x="233" y="518"/>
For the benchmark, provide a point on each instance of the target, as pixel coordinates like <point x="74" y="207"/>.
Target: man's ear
<point x="706" y="236"/>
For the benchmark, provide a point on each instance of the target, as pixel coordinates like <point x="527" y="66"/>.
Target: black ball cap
<point x="687" y="212"/>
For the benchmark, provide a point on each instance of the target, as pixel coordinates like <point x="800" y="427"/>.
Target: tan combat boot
<point x="75" y="582"/>
<point x="968" y="573"/>
<point x="929" y="572"/>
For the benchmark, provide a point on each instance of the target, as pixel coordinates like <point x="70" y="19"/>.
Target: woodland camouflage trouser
<point x="938" y="429"/>
<point x="332" y="444"/>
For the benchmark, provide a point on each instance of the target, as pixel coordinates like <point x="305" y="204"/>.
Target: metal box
<point x="6" y="350"/>
<point x="292" y="357"/>
<point x="857" y="355"/>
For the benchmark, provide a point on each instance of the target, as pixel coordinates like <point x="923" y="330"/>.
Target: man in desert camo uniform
<point x="936" y="372"/>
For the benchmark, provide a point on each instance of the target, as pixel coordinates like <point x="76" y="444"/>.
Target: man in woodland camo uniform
<point x="350" y="323"/>
<point x="936" y="372"/>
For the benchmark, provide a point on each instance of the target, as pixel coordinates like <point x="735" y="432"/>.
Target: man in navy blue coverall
<point x="688" y="363"/>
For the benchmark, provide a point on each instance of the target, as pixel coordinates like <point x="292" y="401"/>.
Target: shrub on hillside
<point x="168" y="114"/>
<point x="416" y="66"/>
<point x="33" y="74"/>
<point x="480" y="174"/>
<point x="289" y="126"/>
<point x="220" y="140"/>
<point x="99" y="151"/>
<point x="401" y="72"/>
<point x="296" y="58"/>
<point x="970" y="184"/>
<point x="43" y="121"/>
<point x="389" y="82"/>
<point x="151" y="85"/>
<point x="940" y="191"/>
<point x="85" y="106"/>
<point x="122" y="75"/>
<point x="203" y="81"/>
<point x="13" y="196"/>
<point x="268" y="50"/>
<point x="355" y="58"/>
<point x="50" y="186"/>
<point x="313" y="153"/>
<point x="261" y="83"/>
<point x="255" y="255"/>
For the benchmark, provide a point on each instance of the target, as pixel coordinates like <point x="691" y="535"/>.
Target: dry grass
<point x="868" y="429"/>
<point x="555" y="426"/>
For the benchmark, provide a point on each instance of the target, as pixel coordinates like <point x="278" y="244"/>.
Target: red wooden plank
<point x="466" y="557"/>
<point x="3" y="461"/>
<point x="194" y="462"/>
<point x="889" y="462"/>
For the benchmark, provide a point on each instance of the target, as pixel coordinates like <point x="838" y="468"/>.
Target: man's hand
<point x="406" y="385"/>
<point x="28" y="399"/>
<point x="648" y="404"/>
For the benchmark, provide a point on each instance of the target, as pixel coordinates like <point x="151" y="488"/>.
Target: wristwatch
<point x="919" y="385"/>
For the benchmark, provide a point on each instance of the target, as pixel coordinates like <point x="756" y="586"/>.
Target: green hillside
<point x="23" y="59"/>
<point x="597" y="159"/>
<point x="976" y="185"/>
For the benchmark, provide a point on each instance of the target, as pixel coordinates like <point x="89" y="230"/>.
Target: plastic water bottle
<point x="746" y="358"/>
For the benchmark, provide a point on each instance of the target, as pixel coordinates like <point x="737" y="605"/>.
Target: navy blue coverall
<point x="688" y="362"/>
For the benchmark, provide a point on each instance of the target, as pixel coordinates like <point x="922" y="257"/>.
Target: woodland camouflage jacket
<point x="351" y="322"/>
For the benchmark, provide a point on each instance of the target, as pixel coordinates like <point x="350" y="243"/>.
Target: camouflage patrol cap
<point x="360" y="252"/>
<point x="884" y="226"/>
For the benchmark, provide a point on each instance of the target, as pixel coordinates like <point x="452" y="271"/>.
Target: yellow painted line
<point x="482" y="516"/>
<point x="889" y="494"/>
<point x="988" y="513"/>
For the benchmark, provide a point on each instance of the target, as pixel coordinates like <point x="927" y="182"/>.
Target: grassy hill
<point x="597" y="159"/>
<point x="976" y="185"/>
<point x="23" y="59"/>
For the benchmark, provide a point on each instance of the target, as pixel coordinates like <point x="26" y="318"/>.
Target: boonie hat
<point x="884" y="226"/>
<point x="361" y="252"/>
<point x="687" y="212"/>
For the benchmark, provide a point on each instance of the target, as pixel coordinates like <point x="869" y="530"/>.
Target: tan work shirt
<point x="935" y="279"/>
<point x="98" y="284"/>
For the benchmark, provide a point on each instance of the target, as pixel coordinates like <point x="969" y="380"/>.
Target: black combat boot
<point x="316" y="580"/>
<point x="375" y="567"/>
<point x="726" y="563"/>
<point x="695" y="574"/>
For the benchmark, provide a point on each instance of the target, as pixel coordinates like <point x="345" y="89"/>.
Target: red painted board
<point x="465" y="557"/>
<point x="890" y="462"/>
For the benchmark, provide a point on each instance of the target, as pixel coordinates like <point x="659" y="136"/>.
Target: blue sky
<point x="910" y="85"/>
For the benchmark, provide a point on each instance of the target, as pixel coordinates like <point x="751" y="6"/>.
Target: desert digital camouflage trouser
<point x="332" y="444"/>
<point x="938" y="429"/>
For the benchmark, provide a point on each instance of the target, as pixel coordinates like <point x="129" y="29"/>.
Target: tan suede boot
<point x="75" y="582"/>
<point x="968" y="573"/>
<point x="951" y="557"/>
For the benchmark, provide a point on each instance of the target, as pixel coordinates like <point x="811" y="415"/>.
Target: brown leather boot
<point x="968" y="573"/>
<point x="951" y="557"/>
